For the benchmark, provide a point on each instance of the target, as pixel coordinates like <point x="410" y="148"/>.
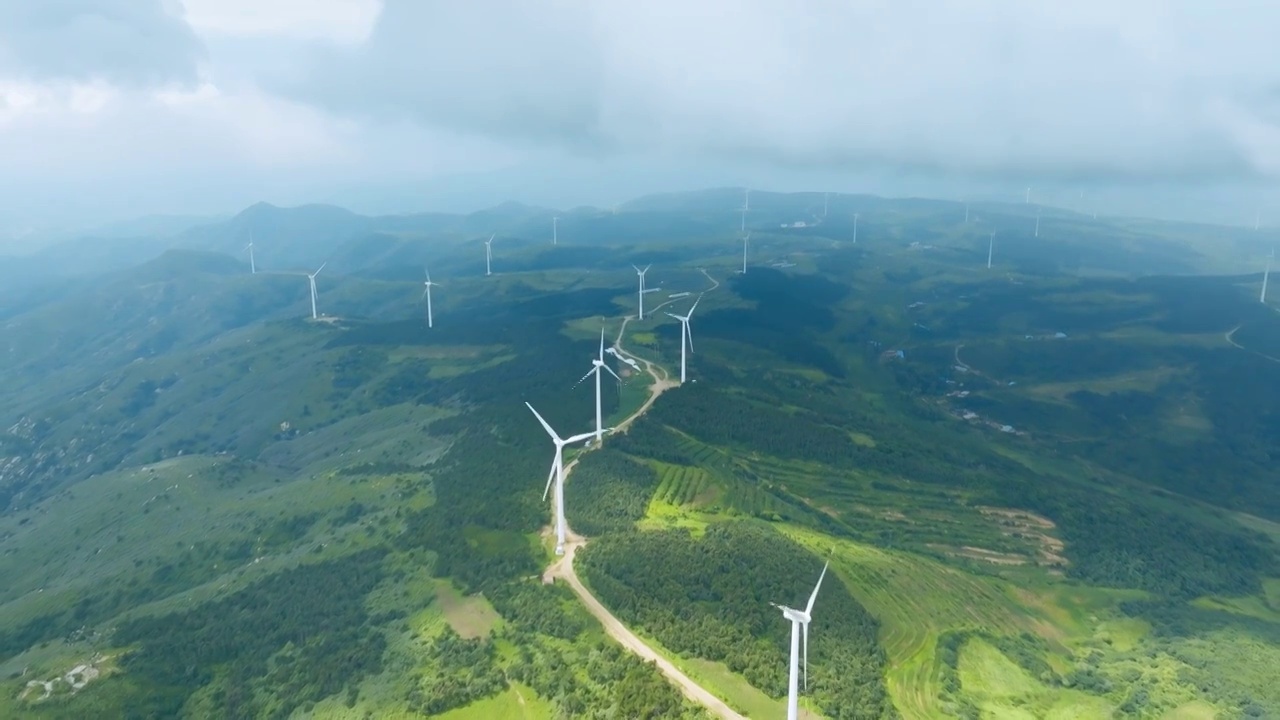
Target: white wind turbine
<point x="1037" y="222"/>
<point x="686" y="337"/>
<point x="799" y="625"/>
<point x="1028" y="198"/>
<point x="253" y="267"/>
<point x="855" y="228"/>
<point x="640" y="314"/>
<point x="311" y="278"/>
<point x="966" y="211"/>
<point x="557" y="475"/>
<point x="488" y="255"/>
<point x="426" y="294"/>
<point x="745" y="238"/>
<point x="597" y="365"/>
<point x="1266" y="275"/>
<point x="991" y="246"/>
<point x="555" y="230"/>
<point x="746" y="208"/>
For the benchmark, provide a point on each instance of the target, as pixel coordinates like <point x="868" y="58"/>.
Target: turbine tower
<point x="799" y="626"/>
<point x="1028" y="198"/>
<point x="1266" y="275"/>
<point x="991" y="246"/>
<point x="746" y="208"/>
<point x="966" y="211"/>
<point x="686" y="337"/>
<point x="311" y="278"/>
<point x="597" y="365"/>
<point x="557" y="475"/>
<point x="1037" y="222"/>
<point x="855" y="228"/>
<point x="555" y="230"/>
<point x="640" y="315"/>
<point x="253" y="267"/>
<point x="745" y="238"/>
<point x="488" y="255"/>
<point x="426" y="294"/>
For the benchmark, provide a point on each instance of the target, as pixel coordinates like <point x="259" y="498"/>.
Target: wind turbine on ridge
<point x="686" y="337"/>
<point x="253" y="268"/>
<point x="426" y="293"/>
<point x="1266" y="275"/>
<point x="557" y="475"/>
<point x="488" y="255"/>
<point x="640" y="314"/>
<point x="597" y="365"/>
<point x="311" y="278"/>
<point x="799" y="626"/>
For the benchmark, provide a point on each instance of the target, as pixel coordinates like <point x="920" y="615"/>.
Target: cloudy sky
<point x="116" y="108"/>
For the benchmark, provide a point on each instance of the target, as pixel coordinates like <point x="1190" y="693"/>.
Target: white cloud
<point x="340" y="21"/>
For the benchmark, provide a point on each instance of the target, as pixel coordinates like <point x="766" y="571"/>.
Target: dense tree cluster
<point x="710" y="598"/>
<point x="461" y="672"/>
<point x="609" y="492"/>
<point x="304" y="633"/>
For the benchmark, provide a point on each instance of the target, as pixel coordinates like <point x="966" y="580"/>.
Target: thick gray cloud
<point x="1088" y="90"/>
<point x="124" y="42"/>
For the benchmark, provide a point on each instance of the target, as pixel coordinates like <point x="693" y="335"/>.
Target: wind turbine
<point x="855" y="228"/>
<point x="488" y="255"/>
<point x="991" y="246"/>
<point x="1266" y="275"/>
<point x="1028" y="199"/>
<point x="253" y="268"/>
<point x="686" y="337"/>
<point x="799" y="624"/>
<point x="640" y="315"/>
<point x="555" y="230"/>
<point x="426" y="293"/>
<point x="1037" y="222"/>
<point x="597" y="365"/>
<point x="557" y="475"/>
<point x="745" y="238"/>
<point x="746" y="208"/>
<point x="311" y="278"/>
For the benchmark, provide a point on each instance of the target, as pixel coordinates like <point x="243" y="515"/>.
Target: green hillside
<point x="1044" y="490"/>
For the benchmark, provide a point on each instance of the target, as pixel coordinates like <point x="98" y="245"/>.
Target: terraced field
<point x="917" y="599"/>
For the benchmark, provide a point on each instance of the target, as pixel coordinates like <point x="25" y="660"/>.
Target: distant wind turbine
<point x="855" y="228"/>
<point x="555" y="230"/>
<point x="686" y="337"/>
<point x="557" y="475"/>
<point x="745" y="238"/>
<point x="1266" y="275"/>
<point x="966" y="211"/>
<point x="1037" y="222"/>
<point x="1028" y="200"/>
<point x="252" y="267"/>
<point x="311" y="278"/>
<point x="597" y="365"/>
<point x="640" y="314"/>
<point x="991" y="246"/>
<point x="426" y="294"/>
<point x="488" y="255"/>
<point x="799" y="625"/>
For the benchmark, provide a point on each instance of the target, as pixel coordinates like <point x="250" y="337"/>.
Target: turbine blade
<point x="580" y="438"/>
<point x="584" y="377"/>
<point x="646" y="267"/>
<point x="695" y="306"/>
<point x="688" y="335"/>
<point x="602" y="344"/>
<point x="637" y="269"/>
<point x="809" y="608"/>
<point x="611" y="372"/>
<point x="425" y="293"/>
<point x="674" y="316"/>
<point x="545" y="426"/>
<point x="805" y="641"/>
<point x="550" y="476"/>
<point x="326" y="262"/>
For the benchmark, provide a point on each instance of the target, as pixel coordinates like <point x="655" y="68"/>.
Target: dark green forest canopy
<point x="710" y="598"/>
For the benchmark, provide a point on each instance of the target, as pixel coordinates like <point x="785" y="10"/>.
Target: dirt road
<point x="563" y="568"/>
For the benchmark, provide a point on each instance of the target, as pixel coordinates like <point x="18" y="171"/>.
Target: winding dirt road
<point x="563" y="568"/>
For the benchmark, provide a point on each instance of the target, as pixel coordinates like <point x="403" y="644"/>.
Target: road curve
<point x="563" y="568"/>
